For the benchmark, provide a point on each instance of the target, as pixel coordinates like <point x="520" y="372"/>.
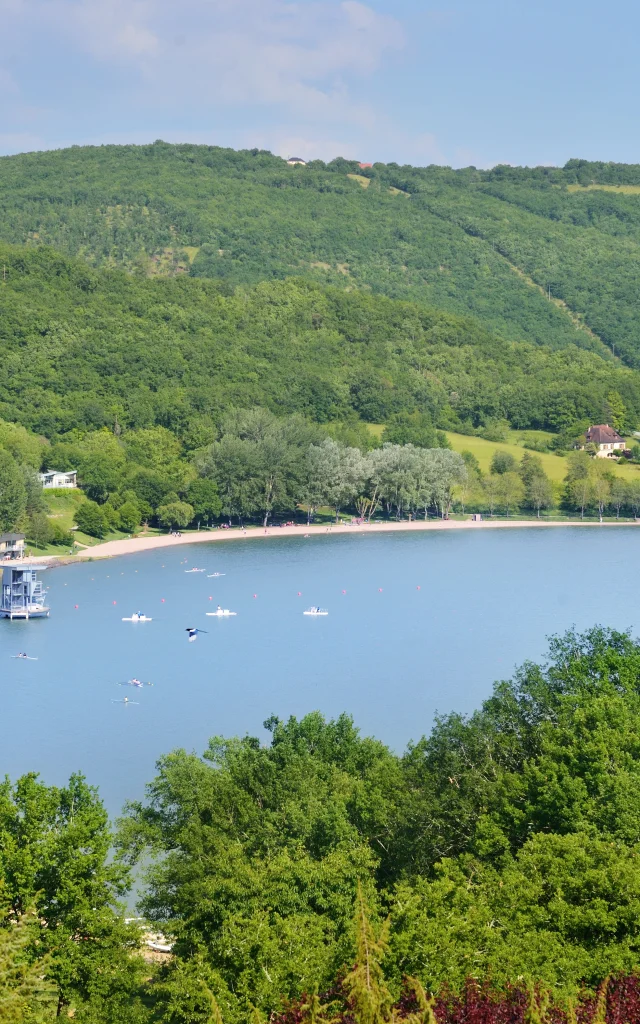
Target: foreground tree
<point x="55" y="858"/>
<point x="13" y="493"/>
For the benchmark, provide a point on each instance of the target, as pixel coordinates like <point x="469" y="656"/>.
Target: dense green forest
<point x="82" y="348"/>
<point x="493" y="866"/>
<point x="146" y="386"/>
<point x="494" y="244"/>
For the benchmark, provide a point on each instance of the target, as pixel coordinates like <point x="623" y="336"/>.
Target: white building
<point x="53" y="478"/>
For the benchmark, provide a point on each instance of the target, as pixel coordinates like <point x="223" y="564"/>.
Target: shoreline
<point x="134" y="545"/>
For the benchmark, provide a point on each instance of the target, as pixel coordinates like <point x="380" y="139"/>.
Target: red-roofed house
<point x="608" y="441"/>
<point x="362" y="166"/>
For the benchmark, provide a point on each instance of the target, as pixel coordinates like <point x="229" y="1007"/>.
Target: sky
<point x="454" y="82"/>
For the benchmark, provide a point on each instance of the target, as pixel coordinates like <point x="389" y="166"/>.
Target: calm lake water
<point x="418" y="623"/>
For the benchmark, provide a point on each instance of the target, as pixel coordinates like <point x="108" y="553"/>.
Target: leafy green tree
<point x="101" y="461"/>
<point x="471" y="462"/>
<point x="231" y="464"/>
<point x="566" y="907"/>
<point x="13" y="493"/>
<point x="445" y="470"/>
<point x="414" y="428"/>
<point x="491" y="491"/>
<point x="203" y="495"/>
<point x="278" y="864"/>
<point x="633" y="497"/>
<point x="90" y="518"/>
<point x="39" y="530"/>
<point x="26" y="448"/>
<point x="538" y="489"/>
<point x="503" y="462"/>
<point x="619" y="494"/>
<point x="55" y="856"/>
<point x="339" y="473"/>
<point x="175" y="514"/>
<point x="539" y="493"/>
<point x="154" y="448"/>
<point x="578" y="481"/>
<point x="395" y="471"/>
<point x="615" y="411"/>
<point x="129" y="515"/>
<point x="601" y="479"/>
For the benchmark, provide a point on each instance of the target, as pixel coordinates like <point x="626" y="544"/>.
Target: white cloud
<point x="285" y="75"/>
<point x="266" y="51"/>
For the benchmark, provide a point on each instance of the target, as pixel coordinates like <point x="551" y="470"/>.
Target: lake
<point x="418" y="624"/>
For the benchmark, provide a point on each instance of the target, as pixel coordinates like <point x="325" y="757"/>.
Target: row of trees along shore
<point x="262" y="466"/>
<point x="490" y="874"/>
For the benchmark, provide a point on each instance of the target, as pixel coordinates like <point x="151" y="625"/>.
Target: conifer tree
<point x="367" y="994"/>
<point x="24" y="995"/>
<point x="600" y="1011"/>
<point x="425" y="1014"/>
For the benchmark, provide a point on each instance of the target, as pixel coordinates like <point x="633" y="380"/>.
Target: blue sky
<point x="455" y="81"/>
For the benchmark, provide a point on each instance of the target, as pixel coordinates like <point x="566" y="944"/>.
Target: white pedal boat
<point x="137" y="618"/>
<point x="316" y="611"/>
<point x="214" y="575"/>
<point x="222" y="613"/>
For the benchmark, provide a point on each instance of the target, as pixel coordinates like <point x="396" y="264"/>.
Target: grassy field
<point x="554" y="466"/>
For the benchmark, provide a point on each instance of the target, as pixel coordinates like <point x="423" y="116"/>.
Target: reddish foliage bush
<point x="479" y="1004"/>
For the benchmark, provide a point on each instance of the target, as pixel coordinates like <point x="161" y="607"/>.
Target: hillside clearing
<point x="627" y="190"/>
<point x="555" y="466"/>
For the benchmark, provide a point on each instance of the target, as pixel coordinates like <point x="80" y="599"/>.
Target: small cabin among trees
<point x="608" y="442"/>
<point x="53" y="478"/>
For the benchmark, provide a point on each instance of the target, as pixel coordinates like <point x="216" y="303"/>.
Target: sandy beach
<point x="135" y="544"/>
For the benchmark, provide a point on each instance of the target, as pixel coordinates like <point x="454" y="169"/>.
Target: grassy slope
<point x="555" y="466"/>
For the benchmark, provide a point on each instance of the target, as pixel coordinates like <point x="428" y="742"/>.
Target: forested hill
<point x="84" y="347"/>
<point x="546" y="255"/>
